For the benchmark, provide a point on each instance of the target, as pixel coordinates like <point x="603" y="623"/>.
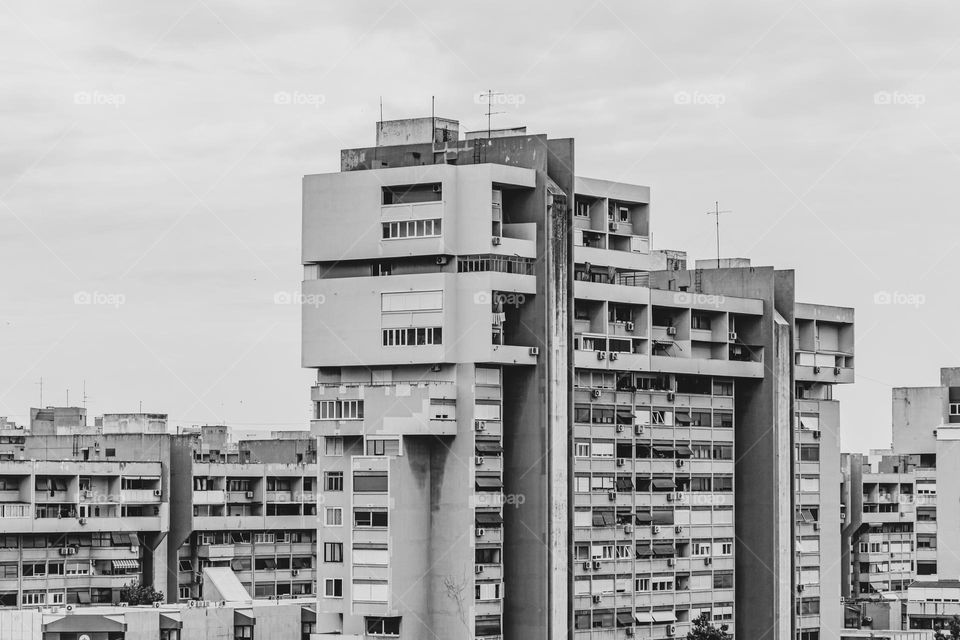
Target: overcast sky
<point x="150" y="168"/>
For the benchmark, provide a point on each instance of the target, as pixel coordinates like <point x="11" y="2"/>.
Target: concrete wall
<point x="948" y="503"/>
<point x="831" y="558"/>
<point x="917" y="411"/>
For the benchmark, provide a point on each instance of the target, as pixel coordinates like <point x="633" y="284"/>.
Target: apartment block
<point x="902" y="519"/>
<point x="532" y="424"/>
<point x="249" y="506"/>
<point x="88" y="509"/>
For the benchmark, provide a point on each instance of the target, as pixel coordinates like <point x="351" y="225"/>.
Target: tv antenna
<point x="716" y="212"/>
<point x="490" y="111"/>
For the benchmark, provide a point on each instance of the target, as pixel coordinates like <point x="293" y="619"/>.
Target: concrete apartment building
<point x="87" y="509"/>
<point x="528" y="420"/>
<point x="902" y="519"/>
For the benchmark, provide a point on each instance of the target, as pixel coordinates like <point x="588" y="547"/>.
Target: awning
<point x="488" y="483"/>
<point x="643" y="617"/>
<point x="684" y="451"/>
<point x="682" y="418"/>
<point x="625" y="416"/>
<point x="662" y="516"/>
<point x="236" y="565"/>
<point x="659" y="483"/>
<point x="664" y="616"/>
<point x="488" y="447"/>
<point x="624" y="618"/>
<point x="83" y="597"/>
<point x="244" y="618"/>
<point x="644" y="550"/>
<point x="170" y="620"/>
<point x="664" y="550"/>
<point x="126" y="564"/>
<point x="85" y="623"/>
<point x="488" y="518"/>
<point x="307" y="615"/>
<point x="120" y="539"/>
<point x="603" y="518"/>
<point x="269" y="563"/>
<point x="643" y="517"/>
<point x="664" y="450"/>
<point x="624" y="484"/>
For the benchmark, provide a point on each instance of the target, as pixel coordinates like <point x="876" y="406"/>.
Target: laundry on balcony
<point x="499" y="317"/>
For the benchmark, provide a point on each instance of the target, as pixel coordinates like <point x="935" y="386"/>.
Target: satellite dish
<point x="84" y="637"/>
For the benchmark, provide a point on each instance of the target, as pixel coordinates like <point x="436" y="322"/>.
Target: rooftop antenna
<point x="84" y="394"/>
<point x="41" y="391"/>
<point x="716" y="212"/>
<point x="68" y="396"/>
<point x="490" y="112"/>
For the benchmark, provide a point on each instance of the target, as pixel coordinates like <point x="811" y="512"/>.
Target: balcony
<point x="209" y="497"/>
<point x="140" y="496"/>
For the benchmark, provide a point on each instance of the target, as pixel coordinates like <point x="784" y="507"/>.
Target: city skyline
<point x="163" y="184"/>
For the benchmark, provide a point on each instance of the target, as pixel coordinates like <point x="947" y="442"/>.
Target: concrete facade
<point x="527" y="419"/>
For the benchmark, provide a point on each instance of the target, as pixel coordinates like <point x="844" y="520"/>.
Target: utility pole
<point x="716" y="212"/>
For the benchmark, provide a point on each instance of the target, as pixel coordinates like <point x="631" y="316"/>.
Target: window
<point x="333" y="588"/>
<point x="333" y="480"/>
<point x="488" y="591"/>
<point x="33" y="597"/>
<point x="369" y="518"/>
<point x="243" y="632"/>
<point x="700" y="320"/>
<point x="723" y="387"/>
<point x="582" y="449"/>
<point x="662" y="584"/>
<point x="430" y="228"/>
<point x="502" y="264"/>
<point x="340" y="410"/>
<point x="371" y="556"/>
<point x="333" y="446"/>
<point x="370" y="481"/>
<point x="382" y="626"/>
<point x="333" y="552"/>
<point x="370" y="591"/>
<point x="418" y="336"/>
<point x="111" y="453"/>
<point x="700" y="549"/>
<point x="723" y="581"/>
<point x="383" y="446"/>
<point x="809" y="453"/>
<point x="955" y="408"/>
<point x="333" y="516"/>
<point x="582" y="210"/>
<point x="264" y="537"/>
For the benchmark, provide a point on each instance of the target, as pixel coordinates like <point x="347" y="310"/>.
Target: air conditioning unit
<point x="816" y="369"/>
<point x="708" y="560"/>
<point x="249" y="494"/>
<point x="586" y="566"/>
<point x="480" y="532"/>
<point x="595" y="393"/>
<point x="83" y="521"/>
<point x="496" y="241"/>
<point x="656" y="529"/>
<point x="836" y="371"/>
<point x="628" y="528"/>
<point x="441" y="260"/>
<point x="678" y="528"/>
<point x="619" y="428"/>
<point x="157" y="492"/>
<point x="71" y="551"/>
<point x="534" y="351"/>
<point x="613" y="226"/>
<point x="64" y="551"/>
<point x="614" y="355"/>
<point x="816" y="435"/>
<point x="671" y="630"/>
<point x="639" y="429"/>
<point x="596" y="564"/>
<point x="478" y="568"/>
<point x="478" y="460"/>
<point x="816" y="525"/>
<point x="596" y="599"/>
<point x="122" y="604"/>
<point x="612" y="495"/>
<point x="629" y="326"/>
<point x="480" y="425"/>
<point x="621" y="462"/>
<point x="733" y="336"/>
<point x="671" y="562"/>
<point x="156" y="605"/>
<point x="87" y="493"/>
<point x="601" y="355"/>
<point x="437" y="188"/>
<point x="671" y="396"/>
<point x="671" y="331"/>
<point x="681" y="463"/>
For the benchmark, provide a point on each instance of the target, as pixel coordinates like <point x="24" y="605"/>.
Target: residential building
<point x="902" y="522"/>
<point x="89" y="509"/>
<point x="528" y="418"/>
